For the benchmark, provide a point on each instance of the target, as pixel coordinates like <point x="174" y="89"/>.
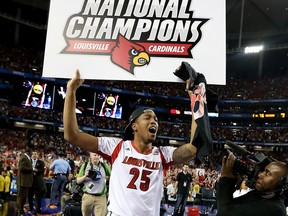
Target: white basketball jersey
<point x="136" y="181"/>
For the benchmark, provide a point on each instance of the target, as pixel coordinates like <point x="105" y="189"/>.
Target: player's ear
<point x="133" y="126"/>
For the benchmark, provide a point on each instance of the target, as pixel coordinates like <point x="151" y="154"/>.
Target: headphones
<point x="283" y="184"/>
<point x="283" y="181"/>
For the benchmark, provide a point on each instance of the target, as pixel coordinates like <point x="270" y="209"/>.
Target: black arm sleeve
<point x="40" y="168"/>
<point x="225" y="189"/>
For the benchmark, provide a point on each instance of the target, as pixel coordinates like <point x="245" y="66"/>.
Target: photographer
<point x="93" y="174"/>
<point x="264" y="200"/>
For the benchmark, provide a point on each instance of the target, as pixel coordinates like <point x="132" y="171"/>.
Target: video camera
<point x="259" y="161"/>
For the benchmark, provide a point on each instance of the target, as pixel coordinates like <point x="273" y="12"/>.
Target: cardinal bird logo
<point x="128" y="55"/>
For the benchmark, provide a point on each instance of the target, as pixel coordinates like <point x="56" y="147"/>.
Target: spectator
<point x="184" y="186"/>
<point x="24" y="180"/>
<point x="241" y="187"/>
<point x="171" y="192"/>
<point x="61" y="169"/>
<point x="7" y="185"/>
<point x="71" y="162"/>
<point x="2" y="184"/>
<point x="38" y="187"/>
<point x="69" y="188"/>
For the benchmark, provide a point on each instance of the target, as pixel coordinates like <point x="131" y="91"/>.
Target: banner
<point x="136" y="39"/>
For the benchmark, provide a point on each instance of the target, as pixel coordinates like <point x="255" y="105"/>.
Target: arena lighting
<point x="210" y="114"/>
<point x="61" y="129"/>
<point x="39" y="126"/>
<point x="30" y="126"/>
<point x="103" y="134"/>
<point x="253" y="49"/>
<point x="176" y="142"/>
<point x="20" y="124"/>
<point x="175" y="111"/>
<point x="187" y="112"/>
<point x="270" y="115"/>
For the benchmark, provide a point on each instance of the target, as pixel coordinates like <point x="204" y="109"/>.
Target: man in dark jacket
<point x="71" y="162"/>
<point x="264" y="200"/>
<point x="38" y="187"/>
<point x="183" y="185"/>
<point x="24" y="180"/>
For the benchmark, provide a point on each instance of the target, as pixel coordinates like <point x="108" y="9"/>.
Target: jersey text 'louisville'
<point x="136" y="181"/>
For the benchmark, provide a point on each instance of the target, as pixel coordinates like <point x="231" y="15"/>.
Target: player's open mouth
<point x="152" y="130"/>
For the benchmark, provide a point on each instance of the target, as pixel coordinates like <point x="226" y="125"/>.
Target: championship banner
<point x="137" y="40"/>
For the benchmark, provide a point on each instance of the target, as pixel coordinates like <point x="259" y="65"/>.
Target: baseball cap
<point x="128" y="132"/>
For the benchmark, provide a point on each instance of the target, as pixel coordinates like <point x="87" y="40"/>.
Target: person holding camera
<point x="93" y="175"/>
<point x="265" y="200"/>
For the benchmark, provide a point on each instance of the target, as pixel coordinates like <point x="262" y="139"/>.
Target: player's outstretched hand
<point x="75" y="82"/>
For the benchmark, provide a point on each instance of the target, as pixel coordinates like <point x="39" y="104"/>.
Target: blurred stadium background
<point x="252" y="107"/>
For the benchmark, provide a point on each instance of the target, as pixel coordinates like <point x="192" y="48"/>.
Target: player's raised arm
<point x="200" y="138"/>
<point x="188" y="150"/>
<point x="71" y="130"/>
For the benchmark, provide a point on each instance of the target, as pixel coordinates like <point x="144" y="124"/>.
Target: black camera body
<point x="259" y="160"/>
<point x="92" y="174"/>
<point x="95" y="175"/>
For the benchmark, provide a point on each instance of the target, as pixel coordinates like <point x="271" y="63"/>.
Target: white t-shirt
<point x="171" y="191"/>
<point x="241" y="192"/>
<point x="136" y="179"/>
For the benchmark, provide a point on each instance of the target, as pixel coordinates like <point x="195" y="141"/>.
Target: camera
<point x="94" y="175"/>
<point x="259" y="161"/>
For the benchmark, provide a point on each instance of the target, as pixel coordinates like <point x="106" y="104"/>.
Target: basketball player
<point x="135" y="185"/>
